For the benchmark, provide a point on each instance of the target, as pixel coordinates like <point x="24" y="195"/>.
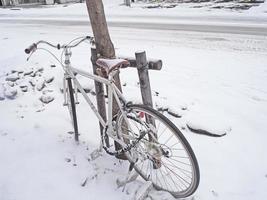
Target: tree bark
<point x="128" y="3"/>
<point x="104" y="45"/>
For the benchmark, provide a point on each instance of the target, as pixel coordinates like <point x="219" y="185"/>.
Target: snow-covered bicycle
<point x="154" y="146"/>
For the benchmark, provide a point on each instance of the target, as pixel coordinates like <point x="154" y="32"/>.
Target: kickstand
<point x="131" y="176"/>
<point x="97" y="152"/>
<point x="143" y="191"/>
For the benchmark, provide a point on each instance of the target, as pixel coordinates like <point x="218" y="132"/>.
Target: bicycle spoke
<point x="180" y="162"/>
<point x="164" y="179"/>
<point x="179" y="189"/>
<point x="175" y="149"/>
<point x="158" y="127"/>
<point x="168" y="139"/>
<point x="178" y="176"/>
<point x="162" y="132"/>
<point x="151" y="170"/>
<point x="182" y="170"/>
<point x="147" y="169"/>
<point x="174" y="144"/>
<point x="180" y="157"/>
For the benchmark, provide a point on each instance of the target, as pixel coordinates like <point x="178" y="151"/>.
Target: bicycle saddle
<point x="108" y="65"/>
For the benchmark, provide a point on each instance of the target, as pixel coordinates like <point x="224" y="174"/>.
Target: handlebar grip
<point x="31" y="48"/>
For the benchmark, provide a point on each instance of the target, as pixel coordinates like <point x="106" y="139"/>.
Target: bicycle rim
<point x="169" y="163"/>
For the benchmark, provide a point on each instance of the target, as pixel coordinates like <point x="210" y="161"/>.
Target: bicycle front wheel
<point x="163" y="155"/>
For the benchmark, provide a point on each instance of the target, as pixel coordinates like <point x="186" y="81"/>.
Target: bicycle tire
<point x="178" y="191"/>
<point x="72" y="109"/>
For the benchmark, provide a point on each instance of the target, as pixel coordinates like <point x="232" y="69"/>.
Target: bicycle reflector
<point x="141" y="115"/>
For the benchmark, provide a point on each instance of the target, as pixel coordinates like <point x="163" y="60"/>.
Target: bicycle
<point x="154" y="146"/>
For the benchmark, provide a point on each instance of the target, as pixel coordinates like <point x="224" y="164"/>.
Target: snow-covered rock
<point x="46" y="98"/>
<point x="208" y="125"/>
<point x="28" y="72"/>
<point x="12" y="77"/>
<point x="47" y="91"/>
<point x="49" y="79"/>
<point x="24" y="88"/>
<point x="10" y="83"/>
<point x="40" y="85"/>
<point x="40" y="69"/>
<point x="10" y="92"/>
<point x="32" y="82"/>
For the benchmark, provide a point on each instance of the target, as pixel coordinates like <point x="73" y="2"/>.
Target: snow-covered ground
<point x="221" y="80"/>
<point x="114" y="10"/>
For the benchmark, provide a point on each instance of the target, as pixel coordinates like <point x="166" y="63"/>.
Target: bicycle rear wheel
<point x="72" y="108"/>
<point x="167" y="160"/>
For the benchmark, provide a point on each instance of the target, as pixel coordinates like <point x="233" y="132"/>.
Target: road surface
<point x="192" y="26"/>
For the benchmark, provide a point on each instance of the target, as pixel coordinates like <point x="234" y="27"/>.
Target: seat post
<point x="112" y="74"/>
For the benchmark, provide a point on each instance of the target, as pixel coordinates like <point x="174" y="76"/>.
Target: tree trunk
<point x="128" y="3"/>
<point x="104" y="46"/>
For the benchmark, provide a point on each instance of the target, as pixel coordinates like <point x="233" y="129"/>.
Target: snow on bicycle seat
<point x="109" y="65"/>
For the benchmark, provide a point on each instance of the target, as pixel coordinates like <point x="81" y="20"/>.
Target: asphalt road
<point x="257" y="29"/>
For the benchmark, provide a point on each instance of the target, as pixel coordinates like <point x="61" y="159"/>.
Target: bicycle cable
<point x="53" y="55"/>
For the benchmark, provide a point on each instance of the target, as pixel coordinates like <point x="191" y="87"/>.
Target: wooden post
<point x="100" y="95"/>
<point x="142" y="68"/>
<point x="153" y="64"/>
<point x="128" y="3"/>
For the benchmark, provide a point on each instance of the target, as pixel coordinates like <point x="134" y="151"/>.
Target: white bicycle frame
<point x="113" y="91"/>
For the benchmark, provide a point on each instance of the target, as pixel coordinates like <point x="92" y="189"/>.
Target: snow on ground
<point x="262" y="8"/>
<point x="115" y="11"/>
<point x="215" y="81"/>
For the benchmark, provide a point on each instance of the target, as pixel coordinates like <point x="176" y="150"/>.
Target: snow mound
<point x="208" y="125"/>
<point x="31" y="80"/>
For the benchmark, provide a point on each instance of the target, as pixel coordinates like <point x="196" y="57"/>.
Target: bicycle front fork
<point x="65" y="90"/>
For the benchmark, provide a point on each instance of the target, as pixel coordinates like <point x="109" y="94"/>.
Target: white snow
<point x="212" y="124"/>
<point x="12" y="77"/>
<point x="262" y="8"/>
<point x="2" y="96"/>
<point x="221" y="80"/>
<point x="10" y="92"/>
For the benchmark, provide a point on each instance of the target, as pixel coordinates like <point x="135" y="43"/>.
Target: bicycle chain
<point x="128" y="147"/>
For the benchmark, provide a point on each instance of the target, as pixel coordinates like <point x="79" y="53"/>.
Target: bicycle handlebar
<point x="34" y="46"/>
<point x="31" y="48"/>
